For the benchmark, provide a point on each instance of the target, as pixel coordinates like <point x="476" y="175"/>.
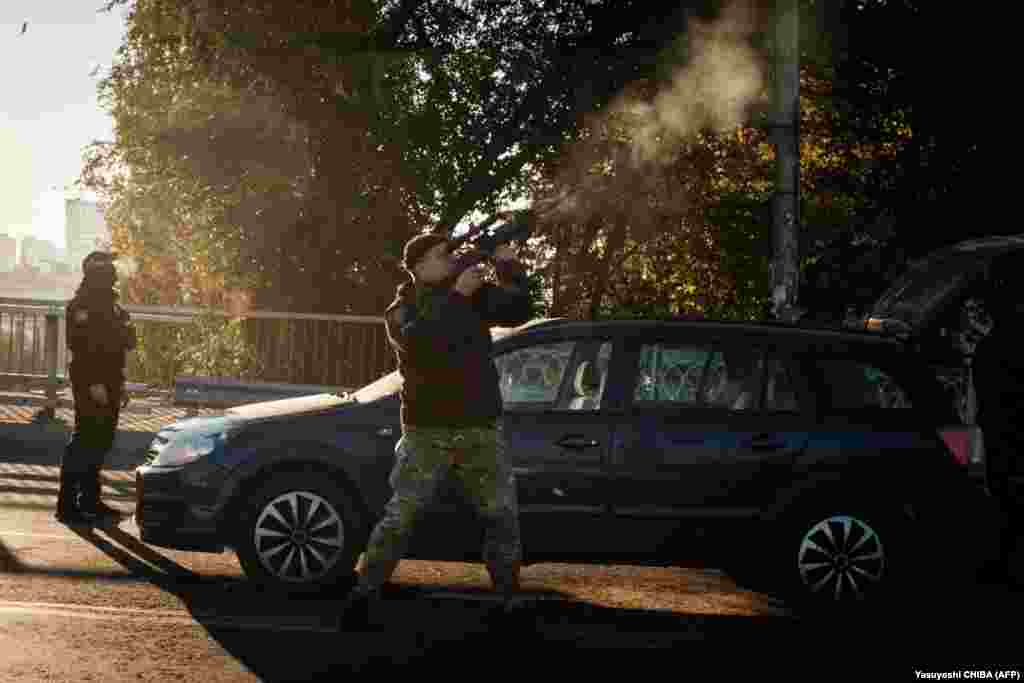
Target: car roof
<point x="804" y="330"/>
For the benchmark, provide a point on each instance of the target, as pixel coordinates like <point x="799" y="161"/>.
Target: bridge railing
<point x="343" y="351"/>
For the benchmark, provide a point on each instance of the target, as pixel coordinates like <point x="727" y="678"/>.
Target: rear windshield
<point x="917" y="291"/>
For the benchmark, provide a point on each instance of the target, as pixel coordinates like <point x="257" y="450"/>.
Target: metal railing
<point x="295" y="348"/>
<point x="23" y="338"/>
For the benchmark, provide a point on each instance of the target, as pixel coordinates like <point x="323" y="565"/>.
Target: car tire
<point x="836" y="559"/>
<point x="300" y="533"/>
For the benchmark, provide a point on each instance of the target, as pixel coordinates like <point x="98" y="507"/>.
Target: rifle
<point x="484" y="239"/>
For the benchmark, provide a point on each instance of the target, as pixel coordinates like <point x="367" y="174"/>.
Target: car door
<point x="869" y="425"/>
<point x="767" y="434"/>
<point x="557" y="422"/>
<point x="666" y="446"/>
<point x="688" y="466"/>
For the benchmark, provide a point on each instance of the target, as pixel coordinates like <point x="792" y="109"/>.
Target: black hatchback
<point x="819" y="463"/>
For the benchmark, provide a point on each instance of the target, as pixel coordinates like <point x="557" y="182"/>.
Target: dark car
<point x="809" y="460"/>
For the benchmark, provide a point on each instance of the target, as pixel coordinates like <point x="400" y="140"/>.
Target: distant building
<point x="39" y="254"/>
<point x="8" y="253"/>
<point x="85" y="230"/>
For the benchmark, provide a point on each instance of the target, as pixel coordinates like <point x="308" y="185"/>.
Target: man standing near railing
<point x="450" y="413"/>
<point x="99" y="334"/>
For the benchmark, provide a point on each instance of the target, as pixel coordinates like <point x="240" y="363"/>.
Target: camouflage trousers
<point x="475" y="458"/>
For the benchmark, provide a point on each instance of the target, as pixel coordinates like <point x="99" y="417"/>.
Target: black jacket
<point x="442" y="344"/>
<point x="99" y="334"/>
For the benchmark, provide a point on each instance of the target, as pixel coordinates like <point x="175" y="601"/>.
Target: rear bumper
<point x="167" y="516"/>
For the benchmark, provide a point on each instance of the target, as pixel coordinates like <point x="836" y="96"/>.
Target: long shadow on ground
<point x="297" y="638"/>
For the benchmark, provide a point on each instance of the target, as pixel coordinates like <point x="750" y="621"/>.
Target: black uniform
<point x="99" y="335"/>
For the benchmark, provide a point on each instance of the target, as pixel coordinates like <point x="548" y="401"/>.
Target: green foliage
<point x="539" y="308"/>
<point x="209" y="346"/>
<point x="293" y="147"/>
<point x="217" y="346"/>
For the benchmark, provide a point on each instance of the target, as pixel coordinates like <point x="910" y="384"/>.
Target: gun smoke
<point x="714" y="91"/>
<point x="720" y="80"/>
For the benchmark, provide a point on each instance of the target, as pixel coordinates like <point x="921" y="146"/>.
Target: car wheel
<point x="299" y="533"/>
<point x="837" y="558"/>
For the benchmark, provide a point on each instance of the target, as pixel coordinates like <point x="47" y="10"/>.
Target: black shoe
<point x="91" y="496"/>
<point x="356" y="612"/>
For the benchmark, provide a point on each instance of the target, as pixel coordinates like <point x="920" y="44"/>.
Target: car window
<point x="587" y="377"/>
<point x="853" y="385"/>
<point x="780" y="391"/>
<point x="733" y="380"/>
<point x="669" y="374"/>
<point x="531" y="377"/>
<point x="888" y="391"/>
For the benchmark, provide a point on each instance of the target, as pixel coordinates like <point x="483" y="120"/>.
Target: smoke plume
<point x="614" y="169"/>
<point x="714" y="90"/>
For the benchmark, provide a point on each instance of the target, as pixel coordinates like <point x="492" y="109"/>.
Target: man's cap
<point x="418" y="246"/>
<point x="98" y="258"/>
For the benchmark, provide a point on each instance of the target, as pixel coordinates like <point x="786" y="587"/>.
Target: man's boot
<point x="69" y="510"/>
<point x="66" y="495"/>
<point x="91" y="498"/>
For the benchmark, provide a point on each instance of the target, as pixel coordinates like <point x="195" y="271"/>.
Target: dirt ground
<point x="100" y="605"/>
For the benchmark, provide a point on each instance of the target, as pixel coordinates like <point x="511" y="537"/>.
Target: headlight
<point x="186" y="449"/>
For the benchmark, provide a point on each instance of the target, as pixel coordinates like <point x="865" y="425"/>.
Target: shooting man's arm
<point x="508" y="302"/>
<point x="433" y="335"/>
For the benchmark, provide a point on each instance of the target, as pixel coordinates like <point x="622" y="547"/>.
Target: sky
<point x="48" y="105"/>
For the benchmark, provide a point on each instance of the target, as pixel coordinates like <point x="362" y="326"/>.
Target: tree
<point x="307" y="141"/>
<point x="906" y="118"/>
<point x="656" y="207"/>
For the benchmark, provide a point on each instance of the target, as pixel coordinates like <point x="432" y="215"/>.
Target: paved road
<point x="97" y="604"/>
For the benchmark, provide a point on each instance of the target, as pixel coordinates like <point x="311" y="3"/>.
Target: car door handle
<point x="766" y="442"/>
<point x="577" y="442"/>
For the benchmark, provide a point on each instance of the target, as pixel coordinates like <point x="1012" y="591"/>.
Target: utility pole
<point x="785" y="135"/>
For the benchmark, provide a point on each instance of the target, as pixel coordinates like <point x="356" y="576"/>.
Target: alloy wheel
<point x="841" y="558"/>
<point x="299" y="537"/>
